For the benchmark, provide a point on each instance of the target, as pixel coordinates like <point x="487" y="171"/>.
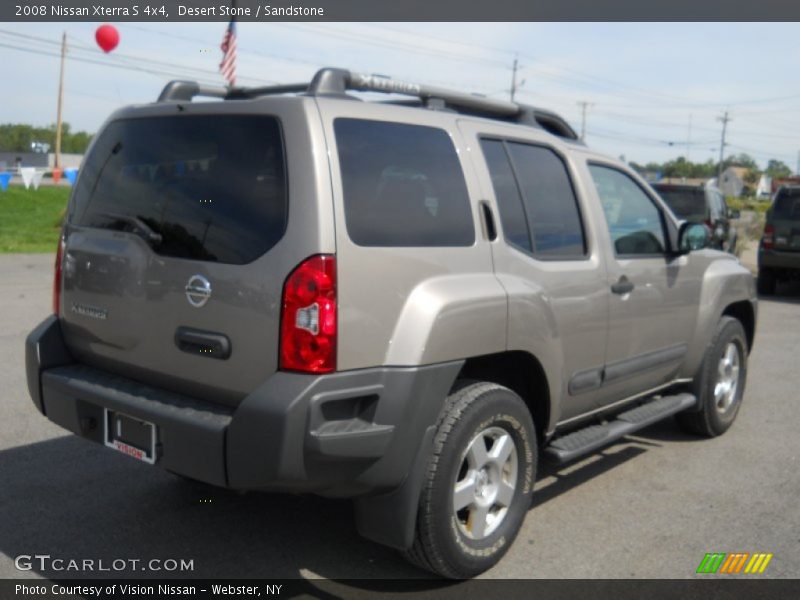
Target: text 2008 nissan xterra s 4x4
<point x="405" y="302"/>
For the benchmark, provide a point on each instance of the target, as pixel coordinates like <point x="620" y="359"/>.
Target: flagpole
<point x="60" y="99"/>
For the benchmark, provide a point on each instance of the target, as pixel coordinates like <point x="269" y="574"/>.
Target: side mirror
<point x="734" y="214"/>
<point x="692" y="236"/>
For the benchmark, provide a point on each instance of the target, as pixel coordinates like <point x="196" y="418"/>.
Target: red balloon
<point x="107" y="37"/>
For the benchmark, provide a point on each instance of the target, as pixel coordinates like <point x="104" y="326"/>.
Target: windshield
<point x="209" y="187"/>
<point x="688" y="204"/>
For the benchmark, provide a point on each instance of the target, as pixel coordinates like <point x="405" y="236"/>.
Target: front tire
<point x="478" y="484"/>
<point x="720" y="384"/>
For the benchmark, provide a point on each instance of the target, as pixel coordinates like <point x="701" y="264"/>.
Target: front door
<point x="654" y="297"/>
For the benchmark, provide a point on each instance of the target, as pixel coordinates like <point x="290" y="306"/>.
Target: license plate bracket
<point x="131" y="436"/>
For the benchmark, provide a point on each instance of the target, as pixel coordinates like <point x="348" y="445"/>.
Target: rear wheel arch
<point x="522" y="373"/>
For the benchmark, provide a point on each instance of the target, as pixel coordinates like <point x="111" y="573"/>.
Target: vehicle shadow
<point x="75" y="500"/>
<point x="785" y="293"/>
<point x="71" y="499"/>
<point x="554" y="480"/>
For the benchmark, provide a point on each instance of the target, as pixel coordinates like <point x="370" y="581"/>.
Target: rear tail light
<point x="768" y="241"/>
<point x="57" y="278"/>
<point x="308" y="320"/>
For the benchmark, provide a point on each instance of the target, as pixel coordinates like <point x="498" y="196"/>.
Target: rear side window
<point x="537" y="204"/>
<point x="212" y="187"/>
<point x="787" y="205"/>
<point x="403" y="185"/>
<point x="509" y="201"/>
<point x="550" y="201"/>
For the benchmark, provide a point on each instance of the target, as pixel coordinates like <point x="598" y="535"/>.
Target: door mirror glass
<point x="734" y="214"/>
<point x="692" y="236"/>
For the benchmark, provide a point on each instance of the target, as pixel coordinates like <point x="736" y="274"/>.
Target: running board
<point x="589" y="439"/>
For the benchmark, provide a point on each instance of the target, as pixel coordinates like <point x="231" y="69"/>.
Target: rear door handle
<point x="203" y="343"/>
<point x="623" y="286"/>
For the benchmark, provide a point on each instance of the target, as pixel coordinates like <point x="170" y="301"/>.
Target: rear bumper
<point x="342" y="434"/>
<point x="777" y="259"/>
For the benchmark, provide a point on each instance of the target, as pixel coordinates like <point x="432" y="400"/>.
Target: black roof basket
<point x="336" y="82"/>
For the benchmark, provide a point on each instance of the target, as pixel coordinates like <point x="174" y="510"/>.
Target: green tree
<point x="777" y="169"/>
<point x="740" y="160"/>
<point x="17" y="137"/>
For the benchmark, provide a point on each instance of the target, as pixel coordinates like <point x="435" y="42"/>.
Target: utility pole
<point x="725" y="118"/>
<point x="797" y="172"/>
<point x="584" y="105"/>
<point x="514" y="77"/>
<point x="60" y="98"/>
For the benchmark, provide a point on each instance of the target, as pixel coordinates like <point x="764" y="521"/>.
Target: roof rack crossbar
<point x="288" y="88"/>
<point x="336" y="82"/>
<point x="184" y="91"/>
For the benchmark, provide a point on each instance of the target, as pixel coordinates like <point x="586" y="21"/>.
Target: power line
<point x="124" y="60"/>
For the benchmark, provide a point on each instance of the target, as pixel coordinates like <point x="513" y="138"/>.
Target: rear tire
<point x="478" y="484"/>
<point x="766" y="282"/>
<point x="720" y="384"/>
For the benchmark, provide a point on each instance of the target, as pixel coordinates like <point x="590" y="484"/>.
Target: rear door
<point x="180" y="235"/>
<point x="545" y="257"/>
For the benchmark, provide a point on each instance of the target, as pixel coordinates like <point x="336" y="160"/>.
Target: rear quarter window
<point x="213" y="187"/>
<point x="403" y="185"/>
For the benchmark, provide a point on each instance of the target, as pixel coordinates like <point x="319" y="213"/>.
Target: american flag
<point x="228" y="65"/>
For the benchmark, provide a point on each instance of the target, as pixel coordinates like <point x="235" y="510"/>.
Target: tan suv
<point x="406" y="302"/>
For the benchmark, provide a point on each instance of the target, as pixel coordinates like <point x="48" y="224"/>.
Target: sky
<point x="656" y="91"/>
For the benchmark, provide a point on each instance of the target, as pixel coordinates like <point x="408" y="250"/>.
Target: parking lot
<point x="649" y="507"/>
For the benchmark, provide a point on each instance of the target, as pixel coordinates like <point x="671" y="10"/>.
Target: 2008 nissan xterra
<point x="406" y="302"/>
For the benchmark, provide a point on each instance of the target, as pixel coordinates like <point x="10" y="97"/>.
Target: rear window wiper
<point x="140" y="226"/>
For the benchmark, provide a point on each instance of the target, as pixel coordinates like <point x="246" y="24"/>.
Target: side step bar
<point x="589" y="439"/>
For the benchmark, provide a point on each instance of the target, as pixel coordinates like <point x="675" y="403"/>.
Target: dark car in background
<point x="779" y="250"/>
<point x="702" y="204"/>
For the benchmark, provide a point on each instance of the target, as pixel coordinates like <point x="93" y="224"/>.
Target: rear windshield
<point x="787" y="205"/>
<point x="403" y="185"/>
<point x="202" y="187"/>
<point x="687" y="204"/>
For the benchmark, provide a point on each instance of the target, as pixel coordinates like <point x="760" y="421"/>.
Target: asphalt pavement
<point x="650" y="506"/>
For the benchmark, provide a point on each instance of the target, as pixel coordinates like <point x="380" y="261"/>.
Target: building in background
<point x="732" y="181"/>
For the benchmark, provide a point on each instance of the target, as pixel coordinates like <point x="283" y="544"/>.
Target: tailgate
<point x="177" y="246"/>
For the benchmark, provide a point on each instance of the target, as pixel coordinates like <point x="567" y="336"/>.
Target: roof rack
<point x="336" y="82"/>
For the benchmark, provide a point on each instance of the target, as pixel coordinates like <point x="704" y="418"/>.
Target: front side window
<point x="634" y="221"/>
<point x="403" y="185"/>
